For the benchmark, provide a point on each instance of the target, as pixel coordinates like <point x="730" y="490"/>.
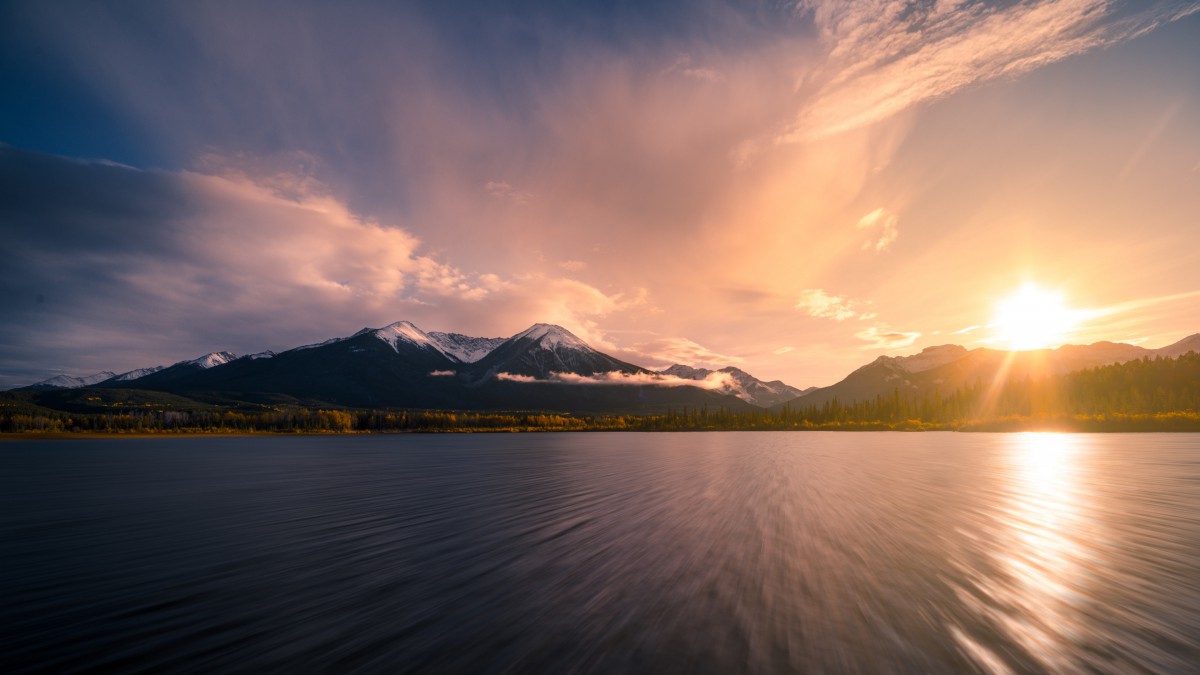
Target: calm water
<point x="712" y="552"/>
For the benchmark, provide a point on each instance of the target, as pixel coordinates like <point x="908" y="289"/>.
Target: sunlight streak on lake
<point x="1046" y="518"/>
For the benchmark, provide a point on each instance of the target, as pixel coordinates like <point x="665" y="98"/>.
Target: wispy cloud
<point x="666" y="351"/>
<point x="502" y="190"/>
<point x="882" y="225"/>
<point x="820" y="304"/>
<point x="685" y="66"/>
<point x="879" y="337"/>
<point x="884" y="56"/>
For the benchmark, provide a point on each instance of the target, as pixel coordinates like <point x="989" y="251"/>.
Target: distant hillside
<point x="947" y="368"/>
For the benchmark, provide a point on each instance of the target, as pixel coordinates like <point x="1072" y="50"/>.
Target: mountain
<point x="946" y="368"/>
<point x="375" y="367"/>
<point x="543" y="349"/>
<point x="158" y="375"/>
<point x="739" y="383"/>
<point x="403" y="335"/>
<point x="456" y="347"/>
<point x="400" y="365"/>
<point x="69" y="382"/>
<point x="137" y="373"/>
<point x="211" y="360"/>
<point x="465" y="348"/>
<point x="1190" y="343"/>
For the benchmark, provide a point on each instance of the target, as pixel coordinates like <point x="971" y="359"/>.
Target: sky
<point x="792" y="188"/>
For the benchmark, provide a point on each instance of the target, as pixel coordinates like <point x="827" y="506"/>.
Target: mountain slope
<point x="70" y="382"/>
<point x="382" y="367"/>
<point x="1190" y="343"/>
<point x="402" y="366"/>
<point x="543" y="349"/>
<point x="158" y="377"/>
<point x="137" y="373"/>
<point x="947" y="368"/>
<point x="739" y="383"/>
<point x="465" y="348"/>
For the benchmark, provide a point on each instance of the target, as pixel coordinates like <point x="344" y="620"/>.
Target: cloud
<point x="666" y="351"/>
<point x="507" y="192"/>
<point x="714" y="381"/>
<point x="683" y="65"/>
<point x="886" y="223"/>
<point x="879" y="337"/>
<point x="160" y="266"/>
<point x="512" y="377"/>
<point x="884" y="56"/>
<point x="445" y="174"/>
<point x="783" y="350"/>
<point x="441" y="373"/>
<point x="573" y="265"/>
<point x="820" y="304"/>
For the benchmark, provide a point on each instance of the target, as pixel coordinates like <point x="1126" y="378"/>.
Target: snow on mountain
<point x="137" y="373"/>
<point x="454" y="346"/>
<point x="402" y="332"/>
<point x="738" y="382"/>
<point x="465" y="348"/>
<point x="70" y="382"/>
<point x="211" y="360"/>
<point x="544" y="349"/>
<point x="550" y="336"/>
<point x="687" y="372"/>
<point x="260" y="355"/>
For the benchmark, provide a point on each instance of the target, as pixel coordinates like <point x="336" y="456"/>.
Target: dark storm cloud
<point x="106" y="267"/>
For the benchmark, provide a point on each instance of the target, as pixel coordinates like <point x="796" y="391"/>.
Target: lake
<point x="590" y="552"/>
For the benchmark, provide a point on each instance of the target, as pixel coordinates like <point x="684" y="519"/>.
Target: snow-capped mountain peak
<point x="212" y="359"/>
<point x="403" y="331"/>
<point x="551" y="336"/>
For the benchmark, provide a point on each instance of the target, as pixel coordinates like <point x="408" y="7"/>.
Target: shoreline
<point x="93" y="435"/>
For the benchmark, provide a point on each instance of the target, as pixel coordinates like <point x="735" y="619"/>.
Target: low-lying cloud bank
<point x="713" y="381"/>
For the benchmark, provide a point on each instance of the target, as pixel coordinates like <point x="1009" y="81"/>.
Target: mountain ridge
<point x="403" y="365"/>
<point x="932" y="371"/>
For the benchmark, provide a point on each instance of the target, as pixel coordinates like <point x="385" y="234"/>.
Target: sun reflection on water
<point x="1037" y="597"/>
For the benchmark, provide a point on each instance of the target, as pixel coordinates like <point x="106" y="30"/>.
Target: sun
<point x="1033" y="318"/>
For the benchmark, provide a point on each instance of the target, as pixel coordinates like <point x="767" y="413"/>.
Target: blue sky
<point x="792" y="188"/>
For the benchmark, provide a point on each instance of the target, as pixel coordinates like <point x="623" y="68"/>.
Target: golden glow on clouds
<point x="842" y="183"/>
<point x="1033" y="318"/>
